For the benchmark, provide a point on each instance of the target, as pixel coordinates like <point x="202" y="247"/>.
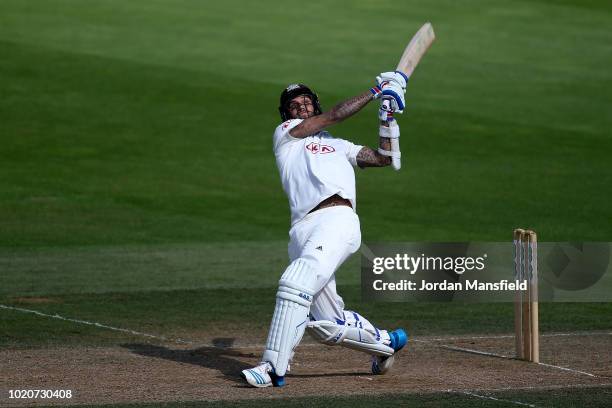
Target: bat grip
<point x="386" y="113"/>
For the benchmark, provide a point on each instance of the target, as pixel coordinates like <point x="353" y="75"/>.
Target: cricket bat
<point x="416" y="48"/>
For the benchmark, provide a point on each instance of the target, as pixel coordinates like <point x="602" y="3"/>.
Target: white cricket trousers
<point x="326" y="238"/>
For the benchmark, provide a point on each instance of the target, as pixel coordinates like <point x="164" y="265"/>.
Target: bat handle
<point x="386" y="114"/>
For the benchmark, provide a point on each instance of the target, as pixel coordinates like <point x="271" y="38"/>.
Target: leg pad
<point x="331" y="333"/>
<point x="293" y="300"/>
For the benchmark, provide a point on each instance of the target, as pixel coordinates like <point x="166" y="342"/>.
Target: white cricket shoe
<point x="262" y="376"/>
<point x="380" y="364"/>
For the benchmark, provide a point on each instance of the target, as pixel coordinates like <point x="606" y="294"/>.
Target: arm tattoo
<point x="385" y="144"/>
<point x="337" y="114"/>
<point x="349" y="107"/>
<point x="368" y="157"/>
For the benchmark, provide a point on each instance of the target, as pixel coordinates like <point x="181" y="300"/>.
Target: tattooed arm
<point x="368" y="157"/>
<point x="337" y="114"/>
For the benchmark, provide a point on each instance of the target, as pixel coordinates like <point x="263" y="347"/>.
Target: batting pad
<point x="293" y="300"/>
<point x="331" y="333"/>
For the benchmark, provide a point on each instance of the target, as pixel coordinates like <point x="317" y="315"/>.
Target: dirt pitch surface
<point x="143" y="372"/>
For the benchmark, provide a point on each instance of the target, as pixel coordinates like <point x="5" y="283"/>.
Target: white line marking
<point x="542" y="387"/>
<point x="490" y="354"/>
<point x="567" y="369"/>
<point x="511" y="336"/>
<point x="181" y="341"/>
<point x="450" y="338"/>
<point x="467" y="350"/>
<point x="577" y="334"/>
<point x="493" y="398"/>
<point x="103" y="326"/>
<point x="142" y="334"/>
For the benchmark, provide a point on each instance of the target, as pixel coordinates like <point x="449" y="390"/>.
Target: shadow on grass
<point x="221" y="357"/>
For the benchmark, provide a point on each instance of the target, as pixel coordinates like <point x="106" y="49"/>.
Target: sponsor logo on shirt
<point x="286" y="124"/>
<point x="318" y="148"/>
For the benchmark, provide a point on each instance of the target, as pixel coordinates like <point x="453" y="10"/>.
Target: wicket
<point x="526" y="302"/>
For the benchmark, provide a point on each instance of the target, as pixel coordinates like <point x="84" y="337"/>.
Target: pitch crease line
<point x="181" y="341"/>
<point x="567" y="369"/>
<point x="96" y="324"/>
<point x="494" y="399"/>
<point x="489" y="354"/>
<point x="543" y="387"/>
<point x="138" y="333"/>
<point x="472" y="351"/>
<point x="511" y="336"/>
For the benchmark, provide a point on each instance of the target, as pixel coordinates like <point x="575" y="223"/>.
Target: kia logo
<point x="315" y="148"/>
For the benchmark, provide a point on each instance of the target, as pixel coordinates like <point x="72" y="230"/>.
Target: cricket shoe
<point x="382" y="364"/>
<point x="262" y="376"/>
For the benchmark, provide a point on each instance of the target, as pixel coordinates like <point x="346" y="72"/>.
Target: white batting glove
<point x="396" y="76"/>
<point x="391" y="85"/>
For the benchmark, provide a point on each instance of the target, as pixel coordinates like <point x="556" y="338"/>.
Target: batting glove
<point x="391" y="85"/>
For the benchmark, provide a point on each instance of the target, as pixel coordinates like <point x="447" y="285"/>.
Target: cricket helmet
<point x="291" y="92"/>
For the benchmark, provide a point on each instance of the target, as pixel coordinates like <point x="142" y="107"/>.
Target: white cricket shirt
<point x="314" y="168"/>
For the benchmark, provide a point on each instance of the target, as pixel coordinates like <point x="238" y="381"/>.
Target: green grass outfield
<point x="138" y="186"/>
<point x="569" y="397"/>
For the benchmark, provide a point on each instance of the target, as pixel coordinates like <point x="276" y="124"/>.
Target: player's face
<point x="301" y="107"/>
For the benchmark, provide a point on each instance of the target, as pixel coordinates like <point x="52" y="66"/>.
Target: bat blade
<point x="416" y="48"/>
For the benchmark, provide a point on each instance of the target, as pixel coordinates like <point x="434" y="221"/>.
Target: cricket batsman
<point x="317" y="174"/>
